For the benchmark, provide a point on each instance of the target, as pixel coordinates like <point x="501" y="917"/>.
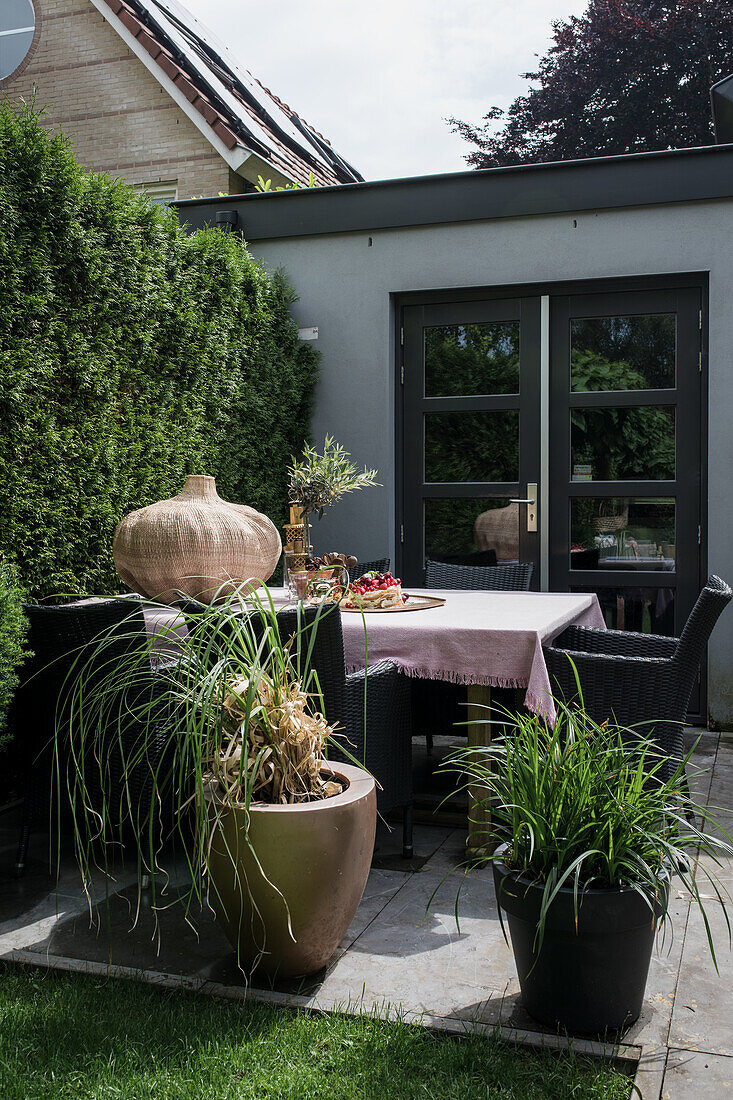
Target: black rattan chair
<point x="642" y="681"/>
<point x="382" y="740"/>
<point x="380" y="565"/>
<point x="438" y="706"/>
<point x="477" y="557"/>
<point x="62" y="638"/>
<point x="491" y="578"/>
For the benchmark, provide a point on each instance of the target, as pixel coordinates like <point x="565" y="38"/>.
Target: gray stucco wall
<point x="345" y="286"/>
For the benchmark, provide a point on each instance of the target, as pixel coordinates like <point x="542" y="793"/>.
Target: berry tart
<point x="375" y="592"/>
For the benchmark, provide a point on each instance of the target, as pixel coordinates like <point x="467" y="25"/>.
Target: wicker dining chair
<point x="438" y="706"/>
<point x="642" y="681"/>
<point x="516" y="577"/>
<point x="378" y="737"/>
<point x="62" y="639"/>
<point x="476" y="557"/>
<point x="380" y="565"/>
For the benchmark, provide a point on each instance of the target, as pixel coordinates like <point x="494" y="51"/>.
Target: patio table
<point x="482" y="640"/>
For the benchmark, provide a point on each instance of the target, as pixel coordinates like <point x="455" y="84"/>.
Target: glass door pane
<point x="470" y="432"/>
<point x="625" y="456"/>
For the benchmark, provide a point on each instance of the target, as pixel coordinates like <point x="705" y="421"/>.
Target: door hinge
<point x="699" y="361"/>
<point x="699" y="319"/>
<point x="402" y="337"/>
<point x="402" y="374"/>
<point x="699" y="535"/>
<point x="402" y="533"/>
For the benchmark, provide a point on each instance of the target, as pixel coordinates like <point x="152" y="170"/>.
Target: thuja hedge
<point x="13" y="635"/>
<point x="131" y="354"/>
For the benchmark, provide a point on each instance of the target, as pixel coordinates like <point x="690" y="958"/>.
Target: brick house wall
<point x="117" y="116"/>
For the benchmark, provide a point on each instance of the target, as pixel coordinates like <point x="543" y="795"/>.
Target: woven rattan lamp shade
<point x="193" y="544"/>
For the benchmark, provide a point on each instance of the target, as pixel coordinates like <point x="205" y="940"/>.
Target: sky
<point x="379" y="78"/>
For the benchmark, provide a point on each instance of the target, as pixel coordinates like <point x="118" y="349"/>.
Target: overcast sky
<point x="378" y="79"/>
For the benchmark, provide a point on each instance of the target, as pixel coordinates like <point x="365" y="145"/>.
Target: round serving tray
<point x="414" y="603"/>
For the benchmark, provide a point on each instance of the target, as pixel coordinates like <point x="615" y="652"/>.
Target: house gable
<point x="106" y="86"/>
<point x="117" y="116"/>
<point x="239" y="114"/>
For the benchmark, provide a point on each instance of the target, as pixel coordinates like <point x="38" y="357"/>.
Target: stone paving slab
<point x="691" y="1076"/>
<point x="703" y="1011"/>
<point x="403" y="953"/>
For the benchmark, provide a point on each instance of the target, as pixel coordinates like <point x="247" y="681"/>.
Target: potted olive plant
<point x="589" y="836"/>
<point x="316" y="481"/>
<point x="224" y="748"/>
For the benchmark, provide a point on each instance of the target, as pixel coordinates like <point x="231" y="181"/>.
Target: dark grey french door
<point x="563" y="428"/>
<point x="471" y="432"/>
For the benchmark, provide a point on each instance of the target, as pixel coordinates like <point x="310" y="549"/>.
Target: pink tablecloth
<point x="490" y="638"/>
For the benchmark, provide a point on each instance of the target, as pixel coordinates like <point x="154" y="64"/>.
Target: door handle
<point x="531" y="501"/>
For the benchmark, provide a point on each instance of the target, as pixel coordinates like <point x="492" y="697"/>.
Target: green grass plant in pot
<point x="589" y="838"/>
<point x="223" y="749"/>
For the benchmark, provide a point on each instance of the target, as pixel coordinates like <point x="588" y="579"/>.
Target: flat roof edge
<point x="645" y="179"/>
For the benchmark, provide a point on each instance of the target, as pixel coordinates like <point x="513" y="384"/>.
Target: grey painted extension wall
<point x="346" y="282"/>
<point x="345" y="286"/>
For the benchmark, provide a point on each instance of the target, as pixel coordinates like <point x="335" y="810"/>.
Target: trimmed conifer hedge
<point x="131" y="354"/>
<point x="13" y="648"/>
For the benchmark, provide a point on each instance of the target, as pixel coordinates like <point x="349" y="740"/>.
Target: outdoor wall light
<point x="227" y="220"/>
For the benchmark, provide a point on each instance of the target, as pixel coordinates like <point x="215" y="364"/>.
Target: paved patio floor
<point x="403" y="952"/>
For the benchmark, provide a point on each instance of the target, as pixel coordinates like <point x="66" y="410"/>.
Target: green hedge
<point x="131" y="354"/>
<point x="13" y="632"/>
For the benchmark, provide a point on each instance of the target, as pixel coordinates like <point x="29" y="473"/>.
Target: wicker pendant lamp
<point x="193" y="544"/>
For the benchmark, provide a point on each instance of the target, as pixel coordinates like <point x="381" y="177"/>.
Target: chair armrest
<point x="637" y="690"/>
<point x="387" y="698"/>
<point x="620" y="643"/>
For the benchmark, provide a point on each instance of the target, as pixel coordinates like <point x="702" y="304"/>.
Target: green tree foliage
<point x="131" y="354"/>
<point x="13" y="630"/>
<point x="468" y="446"/>
<point x="625" y="443"/>
<point x="627" y="76"/>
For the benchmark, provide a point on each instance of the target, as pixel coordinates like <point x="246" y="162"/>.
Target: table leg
<point x="479" y="842"/>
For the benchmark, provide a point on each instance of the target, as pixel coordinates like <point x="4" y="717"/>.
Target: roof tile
<point x="149" y="43"/>
<point x="169" y="67"/>
<point x="131" y="22"/>
<point x="226" y="135"/>
<point x="185" y="85"/>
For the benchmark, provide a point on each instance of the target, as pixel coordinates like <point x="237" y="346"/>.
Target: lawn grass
<point x="67" y="1035"/>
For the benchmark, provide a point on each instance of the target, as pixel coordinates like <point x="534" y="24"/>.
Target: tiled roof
<point x="240" y="110"/>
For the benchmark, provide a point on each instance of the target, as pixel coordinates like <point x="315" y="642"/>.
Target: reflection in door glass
<point x="465" y="360"/>
<point x="623" y="444"/>
<point x="472" y="446"/>
<point x="645" y="610"/>
<point x="623" y="353"/>
<point x="471" y="530"/>
<point x="623" y="533"/>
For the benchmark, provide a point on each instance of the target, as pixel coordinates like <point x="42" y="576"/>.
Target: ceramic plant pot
<point x="585" y="980"/>
<point x="309" y="861"/>
<point x="194" y="544"/>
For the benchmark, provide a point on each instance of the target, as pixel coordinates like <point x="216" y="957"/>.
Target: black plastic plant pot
<point x="589" y="979"/>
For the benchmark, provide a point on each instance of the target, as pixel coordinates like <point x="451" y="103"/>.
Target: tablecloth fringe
<point x="452" y="677"/>
<point x="540" y="703"/>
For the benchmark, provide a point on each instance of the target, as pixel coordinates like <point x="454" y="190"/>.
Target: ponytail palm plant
<point x="141" y="738"/>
